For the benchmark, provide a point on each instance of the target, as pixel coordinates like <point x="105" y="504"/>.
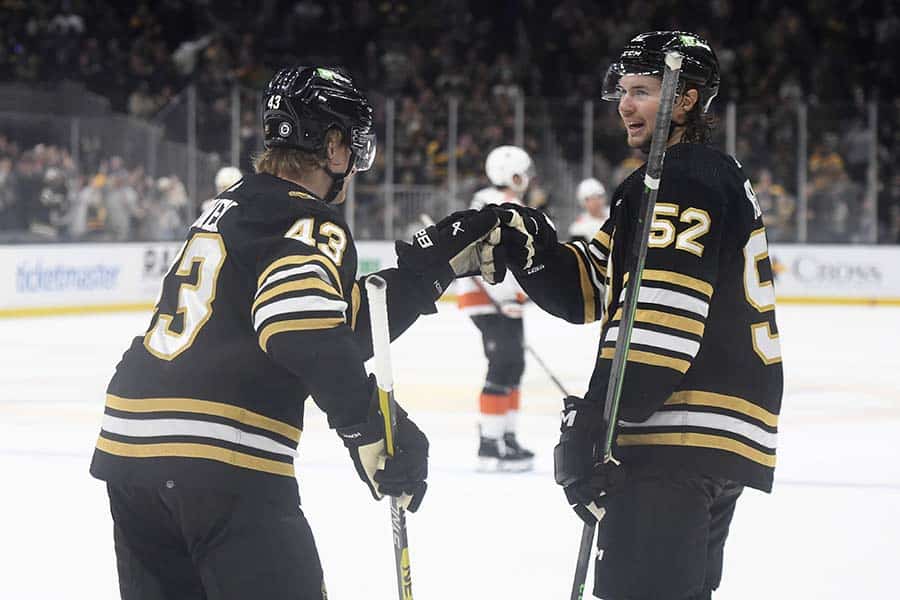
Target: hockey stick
<point x="428" y="221"/>
<point x="376" y="287"/>
<point x="623" y="340"/>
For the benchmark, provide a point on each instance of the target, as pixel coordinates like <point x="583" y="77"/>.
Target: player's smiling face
<point x="638" y="103"/>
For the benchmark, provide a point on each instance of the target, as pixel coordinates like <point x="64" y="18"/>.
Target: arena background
<point x="116" y="116"/>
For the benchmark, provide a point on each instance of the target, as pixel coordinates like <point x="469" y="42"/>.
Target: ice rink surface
<point x="829" y="531"/>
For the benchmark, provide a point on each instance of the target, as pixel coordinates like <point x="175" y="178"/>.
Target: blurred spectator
<point x="164" y="215"/>
<point x="48" y="213"/>
<point x="777" y="207"/>
<point x="122" y="208"/>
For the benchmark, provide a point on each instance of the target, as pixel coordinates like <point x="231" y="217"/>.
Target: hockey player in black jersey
<point x="703" y="379"/>
<point x="260" y="310"/>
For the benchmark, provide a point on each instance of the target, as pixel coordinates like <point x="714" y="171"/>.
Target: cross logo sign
<point x="457" y="228"/>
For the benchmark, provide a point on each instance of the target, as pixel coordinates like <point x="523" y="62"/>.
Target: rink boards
<point x="41" y="279"/>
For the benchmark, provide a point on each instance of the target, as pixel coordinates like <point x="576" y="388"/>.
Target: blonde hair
<point x="292" y="163"/>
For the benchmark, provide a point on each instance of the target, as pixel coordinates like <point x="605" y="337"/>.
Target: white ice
<point x="830" y="530"/>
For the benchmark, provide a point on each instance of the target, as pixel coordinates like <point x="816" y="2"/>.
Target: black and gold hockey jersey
<point x="260" y="310"/>
<point x="703" y="379"/>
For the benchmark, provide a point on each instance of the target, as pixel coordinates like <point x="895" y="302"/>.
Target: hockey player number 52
<point x="761" y="296"/>
<point x="195" y="297"/>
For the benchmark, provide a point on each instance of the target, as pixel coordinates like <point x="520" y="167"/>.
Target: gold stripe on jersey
<point x="602" y="238"/>
<point x="204" y="407"/>
<point x="310" y="283"/>
<point x="699" y="440"/>
<point x="296" y="325"/>
<point x="732" y="403"/>
<point x="685" y="281"/>
<point x="355" y="302"/>
<point x="587" y="289"/>
<point x="649" y="358"/>
<point x="302" y="260"/>
<point x="666" y="320"/>
<point x="192" y="450"/>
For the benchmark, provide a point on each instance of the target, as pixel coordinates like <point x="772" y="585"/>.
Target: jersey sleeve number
<point x="195" y="299"/>
<point x="333" y="247"/>
<point x="761" y="296"/>
<point x="662" y="229"/>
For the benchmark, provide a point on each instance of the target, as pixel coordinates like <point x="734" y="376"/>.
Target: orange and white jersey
<point x="474" y="295"/>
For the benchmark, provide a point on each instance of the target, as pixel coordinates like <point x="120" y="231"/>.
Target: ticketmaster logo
<point x="37" y="278"/>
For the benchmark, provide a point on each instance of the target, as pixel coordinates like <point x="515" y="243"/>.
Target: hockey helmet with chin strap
<point x="504" y="163"/>
<point x="645" y="54"/>
<point x="301" y="104"/>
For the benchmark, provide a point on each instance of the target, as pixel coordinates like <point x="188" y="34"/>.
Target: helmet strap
<point x="337" y="179"/>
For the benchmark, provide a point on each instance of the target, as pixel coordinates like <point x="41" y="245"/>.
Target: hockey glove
<point x="584" y="480"/>
<point x="403" y="474"/>
<point x="526" y="234"/>
<point x="452" y="248"/>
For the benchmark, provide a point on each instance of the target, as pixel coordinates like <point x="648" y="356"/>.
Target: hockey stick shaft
<point x="428" y="221"/>
<point x="376" y="288"/>
<point x="639" y="250"/>
<point x="639" y="247"/>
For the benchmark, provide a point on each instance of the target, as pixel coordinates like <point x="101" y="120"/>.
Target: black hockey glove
<point x="451" y="248"/>
<point x="584" y="480"/>
<point x="526" y="235"/>
<point x="403" y="474"/>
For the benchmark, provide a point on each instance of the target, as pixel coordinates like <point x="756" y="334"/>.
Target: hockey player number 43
<point x="195" y="298"/>
<point x="336" y="239"/>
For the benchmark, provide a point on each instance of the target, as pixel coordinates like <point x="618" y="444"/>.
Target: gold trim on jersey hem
<point x="302" y="260"/>
<point x="296" y="325"/>
<point x="188" y="450"/>
<point x="355" y="302"/>
<point x="733" y="403"/>
<point x="587" y="290"/>
<point x="204" y="407"/>
<point x="310" y="283"/>
<point x="649" y="358"/>
<point x="671" y="321"/>
<point x="686" y="281"/>
<point x="698" y="440"/>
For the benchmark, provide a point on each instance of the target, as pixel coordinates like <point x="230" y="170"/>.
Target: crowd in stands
<point x="487" y="55"/>
<point x="44" y="197"/>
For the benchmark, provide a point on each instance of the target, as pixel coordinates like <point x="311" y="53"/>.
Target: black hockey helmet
<point x="301" y="104"/>
<point x="646" y="55"/>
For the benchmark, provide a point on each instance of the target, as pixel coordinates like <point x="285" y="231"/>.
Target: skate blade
<point x="497" y="465"/>
<point x="517" y="466"/>
<point x="488" y="464"/>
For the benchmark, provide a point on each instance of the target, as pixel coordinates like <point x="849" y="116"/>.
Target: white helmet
<point x="503" y="162"/>
<point x="227" y="177"/>
<point x="589" y="187"/>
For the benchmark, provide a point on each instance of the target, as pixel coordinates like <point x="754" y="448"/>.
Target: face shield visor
<point x="611" y="90"/>
<point x="363" y="145"/>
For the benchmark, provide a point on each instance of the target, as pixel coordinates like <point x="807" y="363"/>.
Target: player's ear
<point x="688" y="99"/>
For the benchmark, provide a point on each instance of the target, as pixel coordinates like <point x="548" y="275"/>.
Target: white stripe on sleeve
<point x="664" y="297"/>
<point x="657" y="339"/>
<point x="297" y="305"/>
<point x="320" y="272"/>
